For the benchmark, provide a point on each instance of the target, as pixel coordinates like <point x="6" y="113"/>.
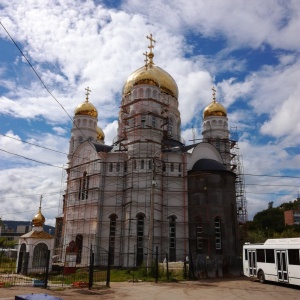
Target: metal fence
<point x="37" y="270"/>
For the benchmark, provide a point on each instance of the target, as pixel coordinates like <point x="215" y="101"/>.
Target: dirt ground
<point x="231" y="289"/>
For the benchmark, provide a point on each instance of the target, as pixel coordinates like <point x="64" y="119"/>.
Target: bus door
<point x="282" y="266"/>
<point x="252" y="262"/>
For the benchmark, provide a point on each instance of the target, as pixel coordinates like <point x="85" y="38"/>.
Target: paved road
<point x="223" y="289"/>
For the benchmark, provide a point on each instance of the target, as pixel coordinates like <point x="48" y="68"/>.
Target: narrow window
<point x="154" y="94"/>
<point x="170" y="127"/>
<point x="218" y="144"/>
<point x="142" y="164"/>
<point x="150" y="164"/>
<point x="218" y="240"/>
<point x="125" y="167"/>
<point x="179" y="167"/>
<point x="118" y="167"/>
<point x="148" y="93"/>
<point x="112" y="236"/>
<point x="153" y="121"/>
<point x="134" y="164"/>
<point x="141" y="93"/>
<point x="111" y="167"/>
<point x="199" y="237"/>
<point x="84" y="186"/>
<point x="143" y="120"/>
<point x="172" y="238"/>
<point x="172" y="167"/>
<point x="140" y="239"/>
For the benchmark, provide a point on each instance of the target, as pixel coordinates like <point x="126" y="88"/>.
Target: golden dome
<point x="152" y="75"/>
<point x="214" y="109"/>
<point x="100" y="134"/>
<point x="87" y="109"/>
<point x="38" y="220"/>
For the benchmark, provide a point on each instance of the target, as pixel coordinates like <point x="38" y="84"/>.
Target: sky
<point x="247" y="50"/>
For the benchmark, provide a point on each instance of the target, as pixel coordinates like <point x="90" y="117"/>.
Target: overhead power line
<point x="40" y="162"/>
<point x="36" y="145"/>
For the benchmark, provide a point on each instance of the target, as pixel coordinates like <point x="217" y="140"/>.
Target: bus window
<point x="270" y="256"/>
<point x="246" y="254"/>
<point x="260" y="255"/>
<point x="294" y="257"/>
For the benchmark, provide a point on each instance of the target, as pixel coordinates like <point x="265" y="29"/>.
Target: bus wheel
<point x="261" y="277"/>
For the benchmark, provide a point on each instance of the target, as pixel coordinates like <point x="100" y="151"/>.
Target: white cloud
<point x="241" y="22"/>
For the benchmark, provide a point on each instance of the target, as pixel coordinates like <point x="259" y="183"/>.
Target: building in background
<point x="149" y="189"/>
<point x="292" y="217"/>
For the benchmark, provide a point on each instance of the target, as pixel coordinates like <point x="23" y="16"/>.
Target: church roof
<point x="208" y="165"/>
<point x="37" y="235"/>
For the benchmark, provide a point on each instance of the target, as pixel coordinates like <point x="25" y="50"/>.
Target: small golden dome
<point x="87" y="109"/>
<point x="152" y="75"/>
<point x="38" y="220"/>
<point x="214" y="109"/>
<point x="100" y="134"/>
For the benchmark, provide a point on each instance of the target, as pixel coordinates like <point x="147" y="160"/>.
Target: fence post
<point x="108" y="269"/>
<point x="156" y="264"/>
<point x="47" y="268"/>
<point x="91" y="269"/>
<point x="167" y="261"/>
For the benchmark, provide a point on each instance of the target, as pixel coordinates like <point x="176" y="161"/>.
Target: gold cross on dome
<point x="87" y="93"/>
<point x="146" y="59"/>
<point x="151" y="41"/>
<point x="41" y="201"/>
<point x="214" y="93"/>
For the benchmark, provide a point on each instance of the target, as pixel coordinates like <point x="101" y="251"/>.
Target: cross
<point x="41" y="201"/>
<point x="87" y="93"/>
<point x="214" y="93"/>
<point x="151" y="40"/>
<point x="146" y="59"/>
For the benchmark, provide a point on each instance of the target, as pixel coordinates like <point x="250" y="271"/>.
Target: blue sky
<point x="248" y="50"/>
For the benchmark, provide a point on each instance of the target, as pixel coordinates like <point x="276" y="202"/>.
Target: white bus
<point x="275" y="260"/>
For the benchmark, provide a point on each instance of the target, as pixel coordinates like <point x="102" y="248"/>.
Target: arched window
<point x="84" y="122"/>
<point x="134" y="164"/>
<point x="134" y="94"/>
<point x="111" y="167"/>
<point x="40" y="255"/>
<point x="154" y="94"/>
<point x="141" y="93"/>
<point x="179" y="167"/>
<point x="118" y="167"/>
<point x="142" y="164"/>
<point x="150" y="164"/>
<point x="140" y="238"/>
<point x="125" y="167"/>
<point x="112" y="236"/>
<point x="218" y="233"/>
<point x="147" y="93"/>
<point x="80" y="139"/>
<point x="172" y="238"/>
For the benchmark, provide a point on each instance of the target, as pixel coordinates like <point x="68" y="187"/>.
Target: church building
<point x="149" y="189"/>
